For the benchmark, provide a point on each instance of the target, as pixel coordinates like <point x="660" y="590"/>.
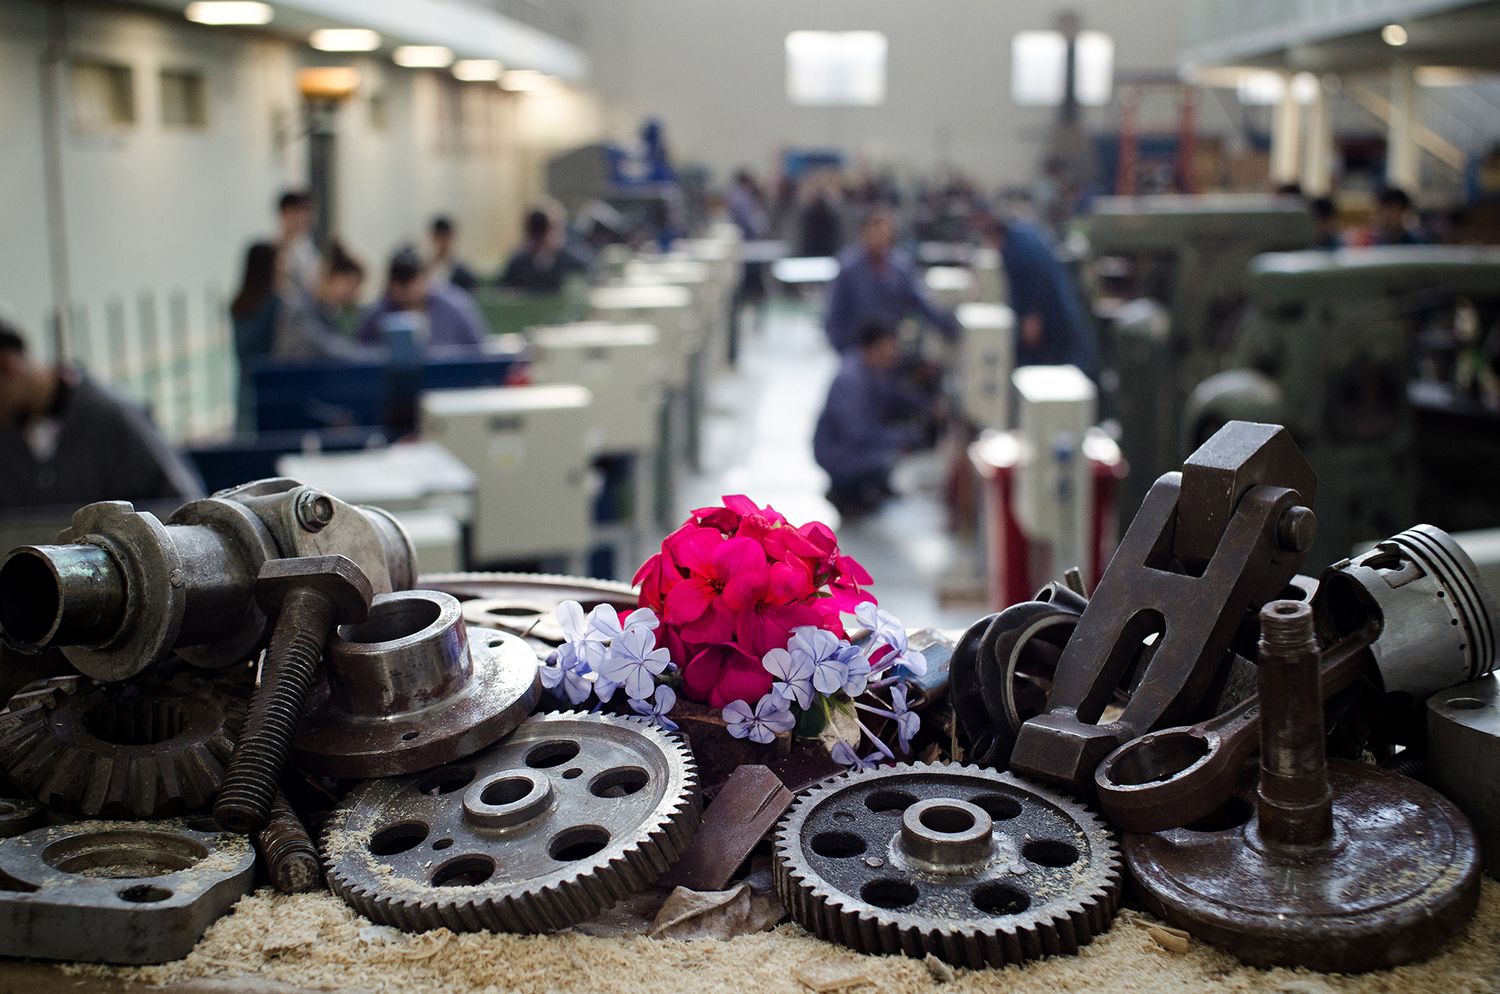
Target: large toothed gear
<point x="570" y="814"/>
<point x="145" y="749"/>
<point x="975" y="867"/>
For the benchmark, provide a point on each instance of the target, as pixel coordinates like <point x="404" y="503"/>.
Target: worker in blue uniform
<point x="878" y="284"/>
<point x="1052" y="328"/>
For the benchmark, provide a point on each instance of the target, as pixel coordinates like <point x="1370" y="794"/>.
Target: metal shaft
<point x="305" y="621"/>
<point x="1293" y="801"/>
<point x="291" y="858"/>
<point x="60" y="595"/>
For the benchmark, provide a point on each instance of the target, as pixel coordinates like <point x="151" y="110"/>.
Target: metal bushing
<point x="412" y="687"/>
<point x="143" y="749"/>
<point x="118" y="892"/>
<point x="1439" y="622"/>
<point x="1463" y="756"/>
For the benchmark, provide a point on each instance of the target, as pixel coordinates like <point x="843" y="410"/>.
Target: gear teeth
<point x="655" y="844"/>
<point x="1058" y="927"/>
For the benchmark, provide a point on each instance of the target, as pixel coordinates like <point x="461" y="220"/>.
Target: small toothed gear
<point x="975" y="867"/>
<point x="145" y="749"/>
<point x="570" y="814"/>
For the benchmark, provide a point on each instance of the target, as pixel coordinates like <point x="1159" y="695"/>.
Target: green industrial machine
<point x="1189" y="255"/>
<point x="1335" y="345"/>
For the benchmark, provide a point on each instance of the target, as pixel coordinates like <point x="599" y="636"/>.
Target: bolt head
<point x="1296" y="529"/>
<point x="314" y="510"/>
<point x="338" y="577"/>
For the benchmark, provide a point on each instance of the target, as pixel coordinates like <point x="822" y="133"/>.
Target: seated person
<point x="311" y="325"/>
<point x="66" y="440"/>
<point x="870" y="419"/>
<point x="439" y="316"/>
<point x="446" y="267"/>
<point x="544" y="262"/>
<point x="1394" y="222"/>
<point x="877" y="284"/>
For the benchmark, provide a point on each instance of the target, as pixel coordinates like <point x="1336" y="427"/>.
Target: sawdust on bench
<point x="314" y="942"/>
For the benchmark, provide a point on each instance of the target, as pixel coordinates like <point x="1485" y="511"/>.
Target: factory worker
<point x="1052" y="328"/>
<point x="877" y="284"/>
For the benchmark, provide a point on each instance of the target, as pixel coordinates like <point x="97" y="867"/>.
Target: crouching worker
<point x="871" y="418"/>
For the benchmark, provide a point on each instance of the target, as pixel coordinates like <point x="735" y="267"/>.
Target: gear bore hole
<point x="445" y="781"/>
<point x="513" y="611"/>
<point x="1050" y="852"/>
<point x="144" y="894"/>
<point x="549" y="754"/>
<point x="838" y="845"/>
<point x="442" y="844"/>
<point x="619" y="782"/>
<point x="1001" y="899"/>
<point x="465" y="871"/>
<point x="124" y="855"/>
<point x="572" y="774"/>
<point x="408" y="736"/>
<point x="398" y="838"/>
<point x="948" y="821"/>
<point x="890" y="893"/>
<point x="134" y="721"/>
<point x="507" y="790"/>
<point x="577" y="843"/>
<point x="889" y="801"/>
<point x="1466" y="704"/>
<point x="1231" y="814"/>
<point x="999" y="807"/>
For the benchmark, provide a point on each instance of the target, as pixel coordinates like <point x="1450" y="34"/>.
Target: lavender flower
<point x="580" y="633"/>
<point x="567" y="674"/>
<point x="634" y="663"/>
<point x="794" y="673"/>
<point x="887" y="630"/>
<point x="845" y="755"/>
<point x="772" y="715"/>
<point x="604" y="621"/>
<point x="658" y="707"/>
<point x="908" y="722"/>
<point x="826" y="654"/>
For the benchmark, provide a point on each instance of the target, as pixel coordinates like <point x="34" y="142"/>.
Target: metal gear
<point x="145" y="749"/>
<point x="524" y="603"/>
<point x="975" y="867"/>
<point x="547" y="829"/>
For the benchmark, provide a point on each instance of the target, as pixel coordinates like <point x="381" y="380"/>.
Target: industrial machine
<point x="986" y="358"/>
<point x="1329" y="346"/>
<point x="1190" y="254"/>
<point x="621" y="364"/>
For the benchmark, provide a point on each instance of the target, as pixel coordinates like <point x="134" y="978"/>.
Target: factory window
<point x="836" y="68"/>
<point x="1038" y="61"/>
<point x="101" y="95"/>
<point x="184" y="99"/>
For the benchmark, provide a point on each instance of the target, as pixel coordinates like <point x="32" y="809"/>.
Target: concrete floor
<point x="757" y="440"/>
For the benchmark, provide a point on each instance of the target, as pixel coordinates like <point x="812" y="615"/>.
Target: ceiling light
<point x="229" y="12"/>
<point x="477" y="70"/>
<point x="328" y="82"/>
<point x="526" y="81"/>
<point x="1393" y="34"/>
<point x="423" y="56"/>
<point x="344" y="40"/>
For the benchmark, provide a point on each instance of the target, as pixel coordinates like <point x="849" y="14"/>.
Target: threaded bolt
<point x="244" y="802"/>
<point x="314" y="510"/>
<point x="288" y="850"/>
<point x="1293" y="801"/>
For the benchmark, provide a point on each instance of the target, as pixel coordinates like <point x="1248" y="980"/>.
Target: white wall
<point x="948" y="86"/>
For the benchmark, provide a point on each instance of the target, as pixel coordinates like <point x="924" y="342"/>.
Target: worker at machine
<point x="1393" y="222"/>
<point x="870" y="419"/>
<point x="1052" y="328"/>
<point x="878" y="284"/>
<point x="67" y="441"/>
<point x="1325" y="217"/>
<point x="296" y="254"/>
<point x="446" y="266"/>
<point x="414" y="311"/>
<point x="312" y="321"/>
<point x="544" y="262"/>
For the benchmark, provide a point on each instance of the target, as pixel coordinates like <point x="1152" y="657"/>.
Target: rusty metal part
<point x="748" y="806"/>
<point x="19" y="815"/>
<point x="308" y="596"/>
<point x="1208" y="546"/>
<point x="122" y="590"/>
<point x="291" y="858"/>
<point x="411" y="687"/>
<point x="1463" y="756"/>
<point x="1439" y="621"/>
<point x="570" y="814"/>
<point x="144" y="749"/>
<point x="1342" y="867"/>
<point x="974" y="867"/>
<point x="118" y="891"/>
<point x="526" y="603"/>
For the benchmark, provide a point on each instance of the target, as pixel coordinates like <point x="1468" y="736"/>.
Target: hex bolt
<point x="1293" y="799"/>
<point x="309" y="596"/>
<point x="291" y="858"/>
<point x="314" y="510"/>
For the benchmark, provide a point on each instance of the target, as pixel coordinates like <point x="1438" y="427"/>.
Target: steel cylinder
<point x="1293" y="800"/>
<point x="60" y="595"/>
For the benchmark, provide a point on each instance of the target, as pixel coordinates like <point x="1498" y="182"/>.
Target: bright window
<point x="836" y="68"/>
<point x="1038" y="60"/>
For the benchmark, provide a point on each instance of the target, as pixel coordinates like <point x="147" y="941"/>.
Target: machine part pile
<point x="1339" y="866"/>
<point x="976" y="868"/>
<point x="570" y="814"/>
<point x="118" y="891"/>
<point x="412" y="687"/>
<point x="151" y="748"/>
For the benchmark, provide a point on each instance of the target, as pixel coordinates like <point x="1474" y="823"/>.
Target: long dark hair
<point x="259" y="281"/>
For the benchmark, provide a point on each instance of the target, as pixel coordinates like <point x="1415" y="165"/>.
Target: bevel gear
<point x="150" y="748"/>
<point x="975" y="867"/>
<point x="567" y="816"/>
